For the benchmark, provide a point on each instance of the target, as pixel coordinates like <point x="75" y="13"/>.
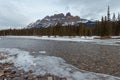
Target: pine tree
<point x="108" y="24"/>
<point x="108" y="14"/>
<point x="113" y="24"/>
<point x="114" y="18"/>
<point x="118" y="16"/>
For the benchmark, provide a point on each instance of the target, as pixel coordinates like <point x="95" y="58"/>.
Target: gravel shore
<point x="9" y="72"/>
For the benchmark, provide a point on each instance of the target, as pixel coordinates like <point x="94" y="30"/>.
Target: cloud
<point x="19" y="13"/>
<point x="91" y="9"/>
<point x="10" y="15"/>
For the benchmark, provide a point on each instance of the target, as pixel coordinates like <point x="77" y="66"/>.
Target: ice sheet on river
<point x="43" y="64"/>
<point x="114" y="41"/>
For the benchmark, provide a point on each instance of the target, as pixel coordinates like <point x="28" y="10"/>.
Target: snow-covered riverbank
<point x="49" y="64"/>
<point x="115" y="40"/>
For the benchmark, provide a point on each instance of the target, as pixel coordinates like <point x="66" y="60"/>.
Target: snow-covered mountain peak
<point x="64" y="20"/>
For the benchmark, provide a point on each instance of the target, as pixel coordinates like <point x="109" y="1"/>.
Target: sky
<point x="19" y="13"/>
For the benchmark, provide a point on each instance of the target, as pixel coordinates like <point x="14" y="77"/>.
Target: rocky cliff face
<point x="64" y="20"/>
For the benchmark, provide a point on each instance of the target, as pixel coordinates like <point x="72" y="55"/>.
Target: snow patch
<point x="33" y="52"/>
<point x="42" y="52"/>
<point x="49" y="64"/>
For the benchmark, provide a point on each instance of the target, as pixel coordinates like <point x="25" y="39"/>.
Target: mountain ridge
<point x="64" y="20"/>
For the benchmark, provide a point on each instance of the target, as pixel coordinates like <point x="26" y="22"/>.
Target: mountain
<point x="64" y="20"/>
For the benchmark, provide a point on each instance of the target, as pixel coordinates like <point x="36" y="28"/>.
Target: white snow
<point x="33" y="52"/>
<point x="91" y="39"/>
<point x="114" y="37"/>
<point x="49" y="64"/>
<point x="42" y="52"/>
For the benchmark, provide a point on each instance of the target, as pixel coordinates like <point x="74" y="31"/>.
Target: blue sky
<point x="19" y="13"/>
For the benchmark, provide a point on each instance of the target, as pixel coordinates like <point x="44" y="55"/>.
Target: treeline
<point x="58" y="30"/>
<point x="108" y="26"/>
<point x="105" y="27"/>
<point x="101" y="28"/>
